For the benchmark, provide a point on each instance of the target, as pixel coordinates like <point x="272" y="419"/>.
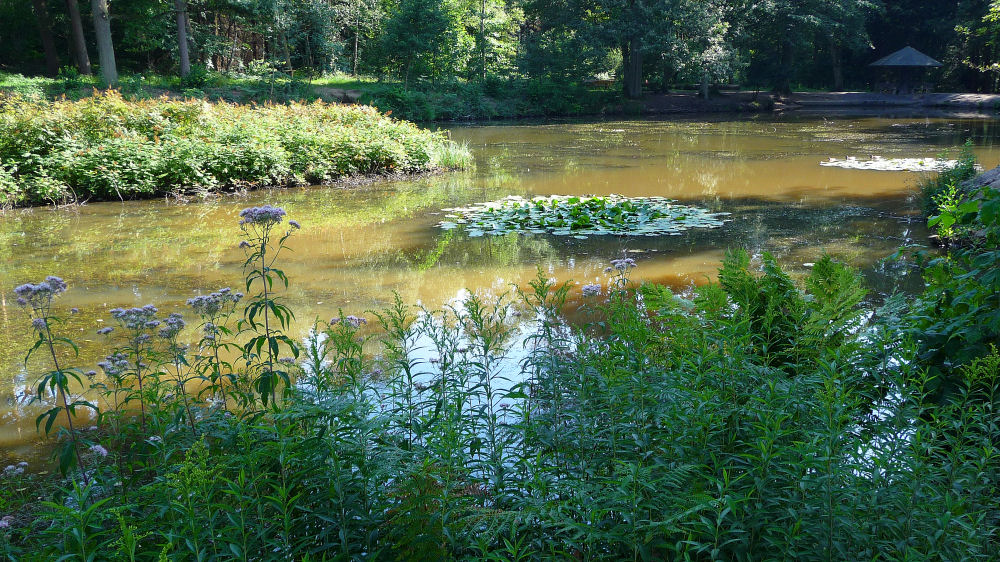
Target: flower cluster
<point x="105" y="331"/>
<point x="264" y="216"/>
<point x="115" y="364"/>
<point x="172" y="326"/>
<point x="136" y="318"/>
<point x="39" y="324"/>
<point x="349" y="320"/>
<point x="591" y="290"/>
<point x="39" y="295"/>
<point x="15" y="469"/>
<point x="6" y="521"/>
<point x="622" y="265"/>
<point x="210" y="305"/>
<point x="99" y="450"/>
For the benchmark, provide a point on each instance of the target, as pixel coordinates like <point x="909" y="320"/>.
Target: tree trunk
<point x="77" y="43"/>
<point x="45" y="31"/>
<point x="632" y="66"/>
<point x="357" y="31"/>
<point x="180" y="8"/>
<point x="354" y="71"/>
<point x="482" y="39"/>
<point x="838" y="65"/>
<point x="784" y="82"/>
<point x="105" y="48"/>
<point x="704" y="84"/>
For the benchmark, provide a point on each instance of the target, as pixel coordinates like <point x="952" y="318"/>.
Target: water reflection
<point x="359" y="246"/>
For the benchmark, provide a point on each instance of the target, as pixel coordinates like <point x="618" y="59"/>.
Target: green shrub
<point x="104" y="147"/>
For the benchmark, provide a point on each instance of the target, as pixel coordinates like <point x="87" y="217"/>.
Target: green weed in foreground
<point x="756" y="419"/>
<point x="104" y="147"/>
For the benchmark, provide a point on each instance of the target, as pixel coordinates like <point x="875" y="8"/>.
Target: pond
<point x="358" y="246"/>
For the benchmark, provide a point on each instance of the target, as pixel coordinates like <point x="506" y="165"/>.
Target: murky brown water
<point x="359" y="246"/>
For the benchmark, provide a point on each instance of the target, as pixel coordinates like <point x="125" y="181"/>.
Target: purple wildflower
<point x="74" y="310"/>
<point x="265" y="216"/>
<point x="5" y="522"/>
<point x="294" y="224"/>
<point x="99" y="450"/>
<point x="244" y="245"/>
<point x="623" y="264"/>
<point x="349" y="320"/>
<point x="39" y="295"/>
<point x="39" y="324"/>
<point x="172" y="326"/>
<point x="136" y="318"/>
<point x="210" y="305"/>
<point x="115" y="364"/>
<point x="105" y="331"/>
<point x="591" y="290"/>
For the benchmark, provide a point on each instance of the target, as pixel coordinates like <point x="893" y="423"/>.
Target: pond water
<point x="360" y="245"/>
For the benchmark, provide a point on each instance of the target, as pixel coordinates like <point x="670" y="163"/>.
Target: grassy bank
<point x="419" y="101"/>
<point x="105" y="147"/>
<point x="759" y="418"/>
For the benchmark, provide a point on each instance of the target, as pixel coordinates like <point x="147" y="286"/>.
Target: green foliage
<point x="758" y="418"/>
<point x="107" y="148"/>
<point x="944" y="187"/>
<point x="957" y="318"/>
<point x="581" y="216"/>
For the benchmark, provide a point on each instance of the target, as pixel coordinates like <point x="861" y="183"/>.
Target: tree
<point x="779" y="34"/>
<point x="493" y="25"/>
<point x="180" y="9"/>
<point x="45" y="34"/>
<point x="426" y="37"/>
<point x="78" y="44"/>
<point x="105" y="47"/>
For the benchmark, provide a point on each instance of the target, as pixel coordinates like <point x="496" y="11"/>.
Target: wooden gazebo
<point x="906" y="67"/>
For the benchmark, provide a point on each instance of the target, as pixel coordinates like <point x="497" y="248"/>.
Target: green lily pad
<point x="582" y="217"/>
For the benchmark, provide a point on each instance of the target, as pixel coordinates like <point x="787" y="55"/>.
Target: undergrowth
<point x="753" y="419"/>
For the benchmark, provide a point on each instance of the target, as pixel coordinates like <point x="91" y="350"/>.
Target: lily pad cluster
<point x="581" y="217"/>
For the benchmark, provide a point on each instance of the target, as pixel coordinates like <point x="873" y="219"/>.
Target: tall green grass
<point x="753" y="419"/>
<point x="104" y="147"/>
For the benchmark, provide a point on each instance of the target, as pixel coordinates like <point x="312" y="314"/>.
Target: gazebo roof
<point x="907" y="57"/>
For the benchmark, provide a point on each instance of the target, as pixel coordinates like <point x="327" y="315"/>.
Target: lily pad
<point x="581" y="217"/>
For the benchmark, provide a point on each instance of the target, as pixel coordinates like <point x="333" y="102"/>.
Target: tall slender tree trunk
<point x="287" y="53"/>
<point x="77" y="43"/>
<point x="105" y="47"/>
<point x="357" y="32"/>
<point x="838" y="65"/>
<point x="482" y="39"/>
<point x="45" y="32"/>
<point x="632" y="66"/>
<point x="180" y="8"/>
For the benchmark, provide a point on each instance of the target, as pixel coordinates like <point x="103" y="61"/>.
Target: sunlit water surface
<point x="358" y="246"/>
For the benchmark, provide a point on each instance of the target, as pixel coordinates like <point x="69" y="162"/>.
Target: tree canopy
<point x="642" y="44"/>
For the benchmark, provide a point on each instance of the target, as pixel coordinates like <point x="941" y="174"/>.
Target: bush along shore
<point x="753" y="419"/>
<point x="106" y="148"/>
